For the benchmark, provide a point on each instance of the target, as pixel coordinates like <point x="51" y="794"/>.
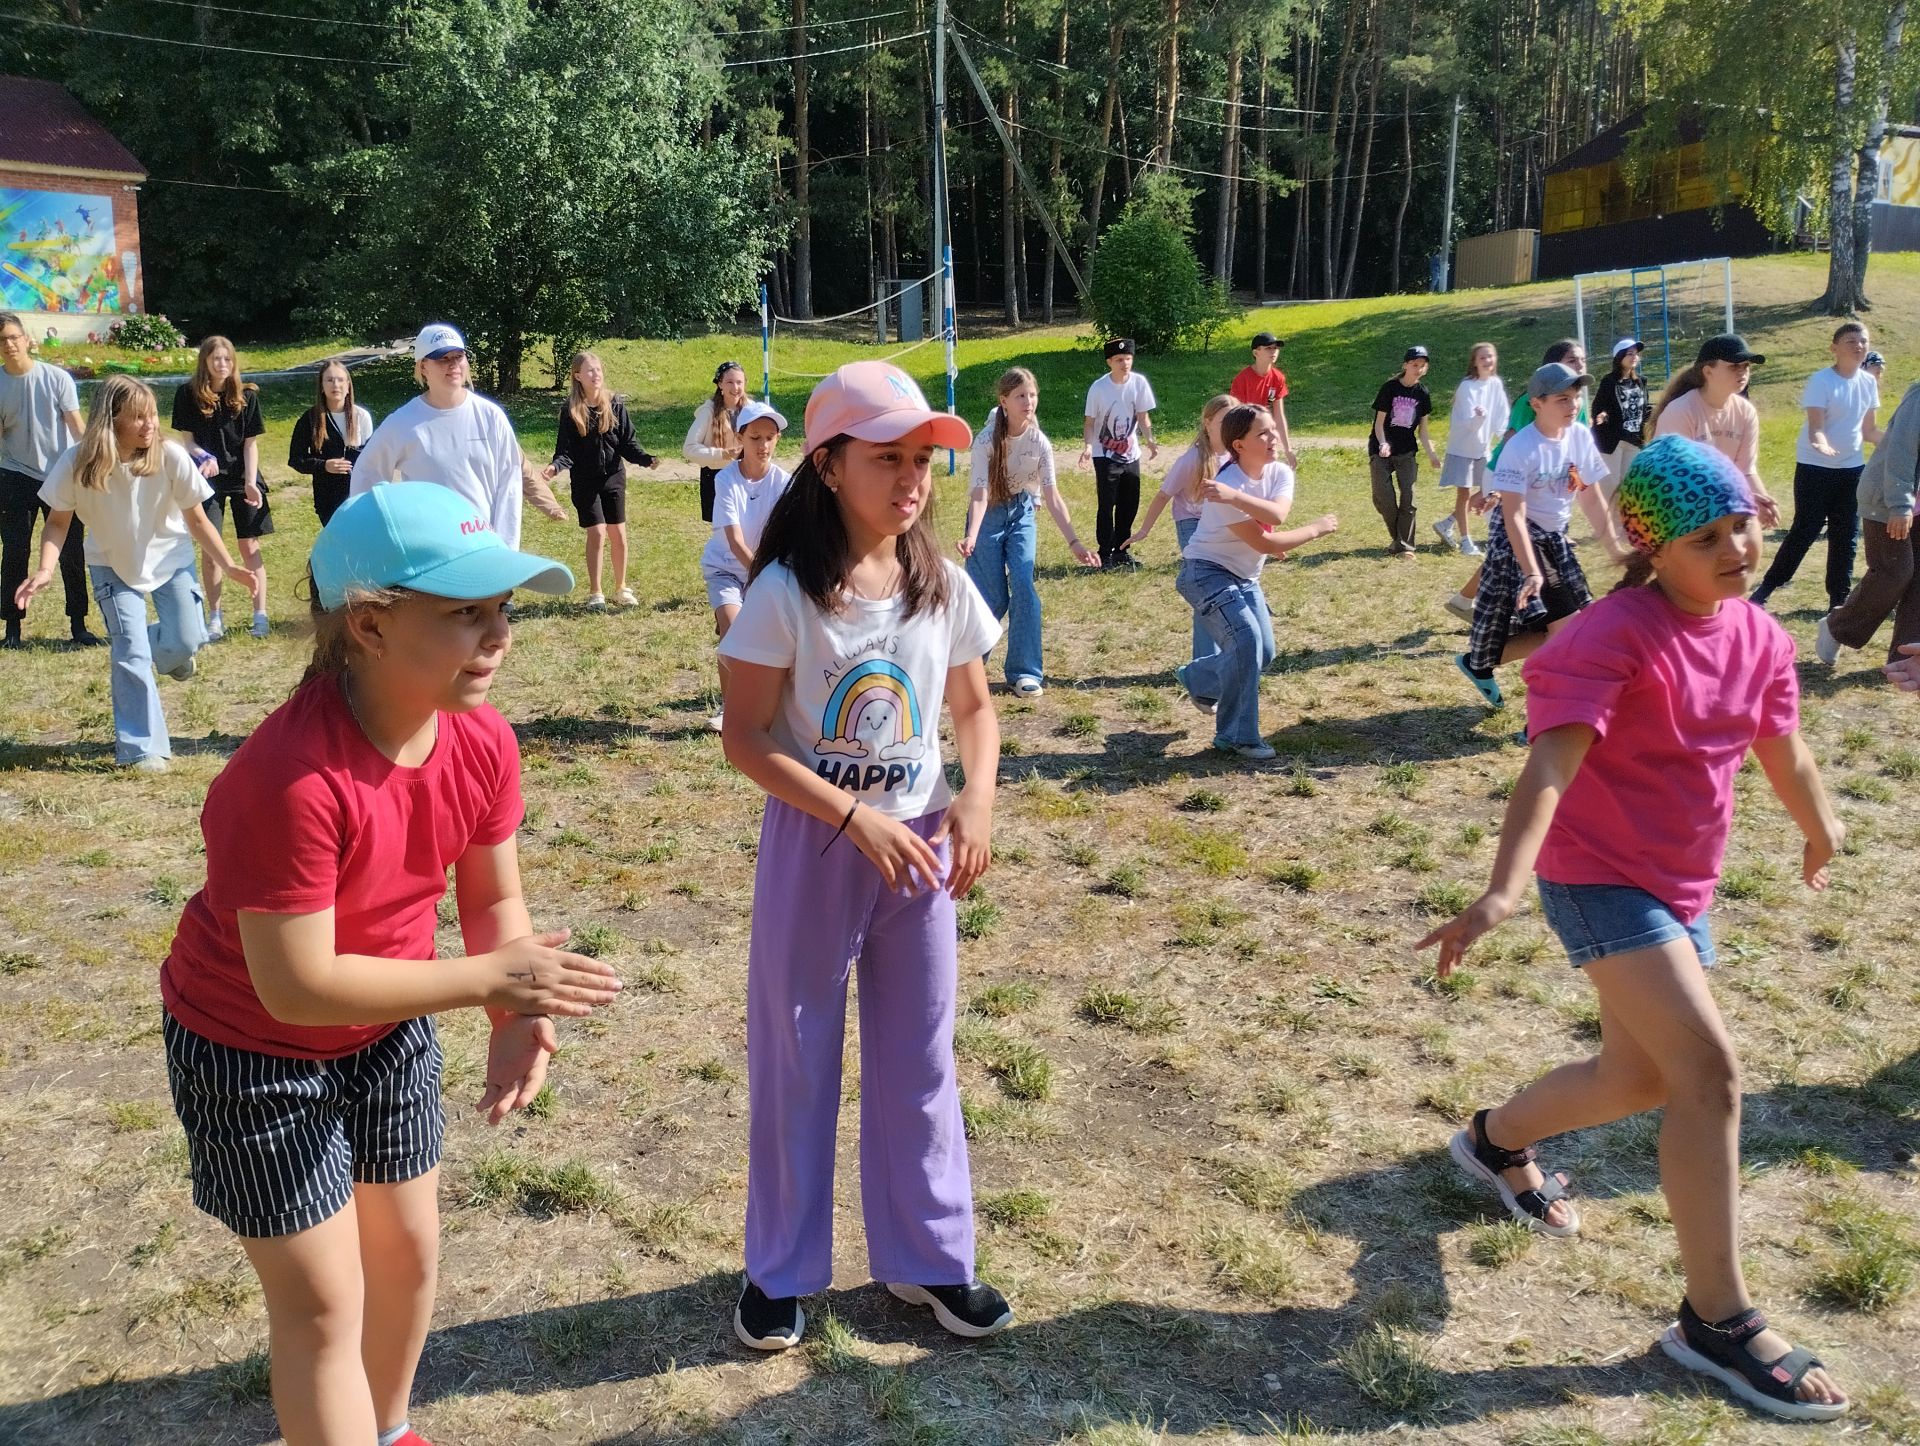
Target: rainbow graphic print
<point x="873" y="713"/>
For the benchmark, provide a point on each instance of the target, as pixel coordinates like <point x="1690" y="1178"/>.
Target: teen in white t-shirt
<point x="1841" y="402"/>
<point x="1118" y="417"/>
<point x="139" y="498"/>
<point x="744" y="494"/>
<point x="452" y="436"/>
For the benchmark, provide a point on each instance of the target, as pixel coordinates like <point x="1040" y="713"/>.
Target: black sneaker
<point x="967" y="1310"/>
<point x="84" y="637"/>
<point x="766" y="1324"/>
<point x="1125" y="561"/>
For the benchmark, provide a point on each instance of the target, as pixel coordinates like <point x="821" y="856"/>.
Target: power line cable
<point x="788" y="29"/>
<point x="202" y="44"/>
<point x="816" y="54"/>
<point x="279" y="14"/>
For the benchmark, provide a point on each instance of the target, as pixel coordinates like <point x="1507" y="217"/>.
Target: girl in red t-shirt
<point x="302" y="982"/>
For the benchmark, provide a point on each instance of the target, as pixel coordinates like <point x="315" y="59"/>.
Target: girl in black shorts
<point x="594" y="446"/>
<point x="217" y="417"/>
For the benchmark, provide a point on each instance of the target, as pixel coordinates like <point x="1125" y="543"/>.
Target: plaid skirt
<point x="1495" y="618"/>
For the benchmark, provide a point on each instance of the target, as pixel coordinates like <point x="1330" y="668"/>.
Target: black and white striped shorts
<point x="278" y="1144"/>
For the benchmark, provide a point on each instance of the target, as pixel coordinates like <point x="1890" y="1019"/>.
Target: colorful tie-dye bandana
<point x="1675" y="486"/>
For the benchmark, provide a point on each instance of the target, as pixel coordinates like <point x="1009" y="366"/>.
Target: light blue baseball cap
<point x="425" y="537"/>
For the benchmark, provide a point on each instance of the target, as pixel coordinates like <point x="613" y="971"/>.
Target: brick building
<point x="69" y="213"/>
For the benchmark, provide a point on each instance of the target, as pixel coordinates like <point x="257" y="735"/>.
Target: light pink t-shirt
<point x="1677" y="701"/>
<point x="1180" y="476"/>
<point x="1732" y="430"/>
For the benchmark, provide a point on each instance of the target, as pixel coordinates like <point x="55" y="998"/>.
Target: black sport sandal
<point x="1473" y="1152"/>
<point x="1719" y="1349"/>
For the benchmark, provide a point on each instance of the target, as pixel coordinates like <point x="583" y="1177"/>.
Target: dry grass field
<point x="1208" y="1084"/>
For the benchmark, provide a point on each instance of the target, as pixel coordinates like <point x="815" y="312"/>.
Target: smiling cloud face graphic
<point x="873" y="713"/>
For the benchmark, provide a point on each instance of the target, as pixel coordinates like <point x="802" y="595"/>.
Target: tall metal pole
<point x="1446" y="225"/>
<point x="937" y="202"/>
<point x="942" y="255"/>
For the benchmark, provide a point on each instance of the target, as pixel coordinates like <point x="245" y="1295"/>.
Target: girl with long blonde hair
<point x="216" y="416"/>
<point x="1012" y="470"/>
<point x="139" y="497"/>
<point x="593" y="446"/>
<point x="1189" y="485"/>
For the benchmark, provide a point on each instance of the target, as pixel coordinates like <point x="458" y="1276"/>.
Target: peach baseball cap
<point x="877" y="402"/>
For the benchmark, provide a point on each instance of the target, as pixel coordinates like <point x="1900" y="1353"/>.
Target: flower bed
<point x="140" y="345"/>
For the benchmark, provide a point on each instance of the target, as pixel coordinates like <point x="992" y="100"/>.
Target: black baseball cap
<point x="1415" y="353"/>
<point x="1727" y="347"/>
<point x="1264" y="338"/>
<point x="1119" y="346"/>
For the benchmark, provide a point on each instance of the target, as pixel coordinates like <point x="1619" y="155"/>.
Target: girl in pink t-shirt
<point x="1656" y="693"/>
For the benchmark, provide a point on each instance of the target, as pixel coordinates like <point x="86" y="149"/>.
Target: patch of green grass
<point x="1012" y="1121"/>
<point x="1865" y="788"/>
<point x="1295" y="874"/>
<point x="1746" y="881"/>
<point x="1875" y="1269"/>
<point x="1128" y="1011"/>
<point x="1202" y="800"/>
<point x="515" y="1182"/>
<point x="163" y="1239"/>
<point x="1499" y="1243"/>
<point x="1015" y="1209"/>
<point x="596" y="941"/>
<point x="1901" y="765"/>
<point x="1390" y="1368"/>
<point x="1080" y="855"/>
<point x="655" y="978"/>
<point x="1126" y="880"/>
<point x="976" y="915"/>
<point x="245" y="1382"/>
<point x="1452" y="1099"/>
<point x="15" y="962"/>
<point x="1403" y="780"/>
<point x="1300" y="783"/>
<point x="998" y="1001"/>
<point x="167" y="891"/>
<point x="1444" y="897"/>
<point x="710" y="1071"/>
<point x="1251" y="1266"/>
<point x="544" y="1105"/>
<point x="1256" y="1185"/>
<point x="1080" y="724"/>
<point x="125" y="1117"/>
<point x="1024" y="1071"/>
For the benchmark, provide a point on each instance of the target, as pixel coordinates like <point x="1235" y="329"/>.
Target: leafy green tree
<point x="1145" y="280"/>
<point x="550" y="181"/>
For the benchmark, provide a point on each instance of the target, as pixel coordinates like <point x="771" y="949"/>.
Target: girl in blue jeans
<point x="1220" y="578"/>
<point x="1012" y="470"/>
<point x="1187" y="488"/>
<point x="139" y="498"/>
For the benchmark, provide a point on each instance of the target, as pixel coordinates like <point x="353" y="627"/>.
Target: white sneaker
<point x="185" y="671"/>
<point x="626" y="599"/>
<point x="259" y="628"/>
<point x="152" y="763"/>
<point x="717" y="722"/>
<point x="1028" y="687"/>
<point x="1461" y="606"/>
<point x="1444" y="527"/>
<point x="1469" y="548"/>
<point x="216" y="627"/>
<point x="1826" y="647"/>
<point x="596" y="601"/>
<point x="1258" y="752"/>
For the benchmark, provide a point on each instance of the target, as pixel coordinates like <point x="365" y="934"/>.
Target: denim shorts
<point x="1595" y="920"/>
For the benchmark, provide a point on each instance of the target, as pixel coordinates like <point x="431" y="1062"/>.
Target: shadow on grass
<point x="91" y="756"/>
<point x="1116" y="1362"/>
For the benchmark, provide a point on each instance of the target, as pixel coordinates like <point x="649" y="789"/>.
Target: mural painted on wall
<point x="57" y="253"/>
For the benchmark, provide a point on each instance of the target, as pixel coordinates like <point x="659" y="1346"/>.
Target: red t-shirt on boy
<point x="1259" y="391"/>
<point x="308" y="815"/>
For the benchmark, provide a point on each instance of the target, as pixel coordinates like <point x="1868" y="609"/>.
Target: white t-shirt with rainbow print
<point x="862" y="708"/>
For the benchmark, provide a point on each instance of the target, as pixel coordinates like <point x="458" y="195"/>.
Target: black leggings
<point x="20" y="508"/>
<point x="1117" y="485"/>
<point x="707" y="474"/>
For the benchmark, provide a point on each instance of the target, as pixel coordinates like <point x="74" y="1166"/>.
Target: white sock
<point x="387" y="1438"/>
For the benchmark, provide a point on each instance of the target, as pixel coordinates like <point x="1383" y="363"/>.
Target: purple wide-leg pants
<point x="814" y="917"/>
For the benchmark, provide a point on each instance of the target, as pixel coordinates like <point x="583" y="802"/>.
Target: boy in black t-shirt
<point x="1400" y="411"/>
